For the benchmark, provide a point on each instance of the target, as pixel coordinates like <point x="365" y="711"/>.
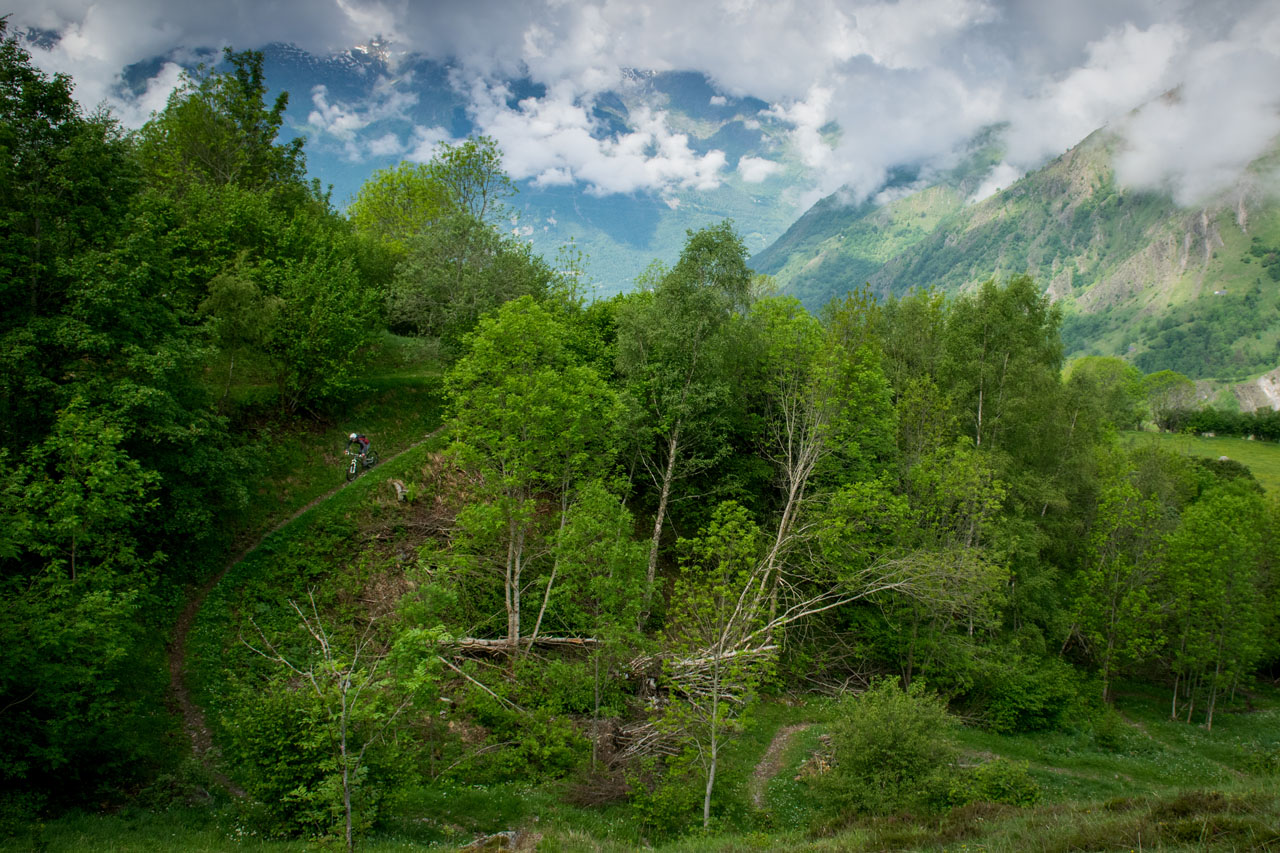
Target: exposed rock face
<point x="1260" y="393"/>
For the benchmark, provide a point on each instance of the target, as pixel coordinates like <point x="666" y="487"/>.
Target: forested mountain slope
<point x="1193" y="289"/>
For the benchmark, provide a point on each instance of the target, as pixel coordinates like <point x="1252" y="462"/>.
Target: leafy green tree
<point x="672" y="350"/>
<point x="1003" y="357"/>
<point x="1167" y="392"/>
<point x="325" y="318"/>
<point x="601" y="566"/>
<point x="1115" y="384"/>
<point x="826" y="413"/>
<point x="529" y="419"/>
<point x="472" y="179"/>
<point x="458" y="270"/>
<point x="217" y="129"/>
<point x="1213" y="576"/>
<point x="716" y="607"/>
<point x="1118" y="610"/>
<point x="397" y="204"/>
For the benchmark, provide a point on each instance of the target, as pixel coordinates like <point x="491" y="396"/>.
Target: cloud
<point x="553" y="140"/>
<point x="858" y="86"/>
<point x="1001" y="176"/>
<point x="345" y="122"/>
<point x="755" y="169"/>
<point x="1124" y="69"/>
<point x="1223" y="116"/>
<point x="424" y="142"/>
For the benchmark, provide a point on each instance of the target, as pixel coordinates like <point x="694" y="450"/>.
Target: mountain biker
<point x="360" y="441"/>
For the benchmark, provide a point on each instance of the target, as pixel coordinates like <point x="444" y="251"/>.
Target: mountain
<point x="1192" y="289"/>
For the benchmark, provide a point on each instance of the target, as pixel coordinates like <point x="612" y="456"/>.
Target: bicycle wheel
<point x="371" y="459"/>
<point x="353" y="468"/>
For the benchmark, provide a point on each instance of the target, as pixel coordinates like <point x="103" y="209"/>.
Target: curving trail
<point x="193" y="721"/>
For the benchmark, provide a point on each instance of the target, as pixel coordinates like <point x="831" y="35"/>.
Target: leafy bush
<point x="665" y="798"/>
<point x="891" y="750"/>
<point x="279" y="742"/>
<point x="534" y="744"/>
<point x="1007" y="782"/>
<point x="1013" y="692"/>
<point x="1263" y="760"/>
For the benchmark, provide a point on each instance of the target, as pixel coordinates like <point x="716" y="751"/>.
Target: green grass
<point x="1261" y="457"/>
<point x="1145" y="783"/>
<point x="401" y="403"/>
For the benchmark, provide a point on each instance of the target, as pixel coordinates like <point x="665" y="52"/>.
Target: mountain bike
<point x="369" y="458"/>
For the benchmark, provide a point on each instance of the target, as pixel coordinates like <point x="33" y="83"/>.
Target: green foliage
<point x="455" y="272"/>
<point x="216" y="129"/>
<point x="1167" y="392"/>
<point x="891" y="750"/>
<point x="282" y="746"/>
<point x="1115" y="385"/>
<point x="1117" y="609"/>
<point x="999" y="781"/>
<point x="1015" y="692"/>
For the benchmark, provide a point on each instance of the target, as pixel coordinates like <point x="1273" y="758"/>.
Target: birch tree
<point x="528" y="420"/>
<point x="672" y="348"/>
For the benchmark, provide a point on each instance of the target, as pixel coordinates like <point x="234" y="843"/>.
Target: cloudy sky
<point x="906" y="81"/>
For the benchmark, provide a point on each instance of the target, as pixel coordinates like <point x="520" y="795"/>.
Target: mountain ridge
<point x="1164" y="285"/>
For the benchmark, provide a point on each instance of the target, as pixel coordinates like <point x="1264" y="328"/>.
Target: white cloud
<point x="553" y="140"/>
<point x="719" y="100"/>
<point x="345" y="122"/>
<point x="906" y="81"/>
<point x="1000" y="177"/>
<point x="424" y="141"/>
<point x="385" y="146"/>
<point x="1126" y="68"/>
<point x="1223" y="116"/>
<point x="755" y="169"/>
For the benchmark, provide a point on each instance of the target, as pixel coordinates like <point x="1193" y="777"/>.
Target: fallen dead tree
<point x="504" y="646"/>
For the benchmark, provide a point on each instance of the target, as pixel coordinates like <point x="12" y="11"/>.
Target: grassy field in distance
<point x="1261" y="457"/>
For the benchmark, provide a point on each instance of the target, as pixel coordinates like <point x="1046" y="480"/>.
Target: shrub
<point x="279" y="743"/>
<point x="1007" y="782"/>
<point x="892" y="750"/>
<point x="1013" y="692"/>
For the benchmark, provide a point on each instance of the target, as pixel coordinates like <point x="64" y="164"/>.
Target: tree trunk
<point x="673" y="449"/>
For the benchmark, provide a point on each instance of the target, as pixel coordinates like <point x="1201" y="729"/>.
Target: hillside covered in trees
<point x="622" y="531"/>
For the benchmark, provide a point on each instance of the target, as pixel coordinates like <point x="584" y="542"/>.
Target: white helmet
<point x="351" y="437"/>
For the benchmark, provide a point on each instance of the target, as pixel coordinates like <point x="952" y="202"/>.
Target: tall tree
<point x="1118" y="610"/>
<point x="1167" y="392"/>
<point x="217" y="129"/>
<point x="530" y="421"/>
<point x="717" y="610"/>
<point x="672" y="349"/>
<point x="1212" y="570"/>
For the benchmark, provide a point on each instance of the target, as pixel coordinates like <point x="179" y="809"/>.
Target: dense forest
<point x="645" y="516"/>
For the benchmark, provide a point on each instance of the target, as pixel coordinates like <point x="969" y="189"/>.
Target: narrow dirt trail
<point x="193" y="720"/>
<point x="771" y="763"/>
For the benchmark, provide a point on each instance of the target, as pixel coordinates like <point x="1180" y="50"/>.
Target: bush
<point x="1007" y="782"/>
<point x="892" y="750"/>
<point x="666" y="796"/>
<point x="280" y="745"/>
<point x="1013" y="692"/>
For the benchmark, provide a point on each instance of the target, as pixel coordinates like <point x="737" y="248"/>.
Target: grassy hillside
<point x="837" y="246"/>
